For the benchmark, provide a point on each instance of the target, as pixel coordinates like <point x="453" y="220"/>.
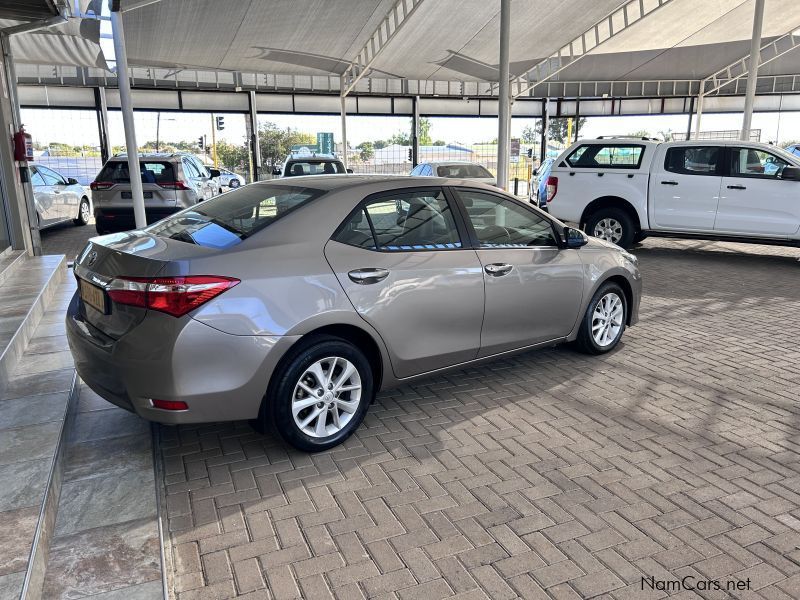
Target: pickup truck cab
<point x="625" y="189"/>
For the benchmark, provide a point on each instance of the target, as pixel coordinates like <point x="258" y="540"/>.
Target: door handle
<point x="498" y="269"/>
<point x="669" y="182"/>
<point x="736" y="187"/>
<point x="367" y="276"/>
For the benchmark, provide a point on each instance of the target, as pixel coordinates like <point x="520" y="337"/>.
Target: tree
<point x="639" y="133"/>
<point x="530" y="135"/>
<point x="439" y="143"/>
<point x="232" y="156"/>
<point x="367" y="151"/>
<point x="424" y="131"/>
<point x="401" y="139"/>
<point x="275" y="143"/>
<point x="378" y="144"/>
<point x="557" y="128"/>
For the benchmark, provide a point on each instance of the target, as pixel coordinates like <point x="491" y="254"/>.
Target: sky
<point x="79" y="127"/>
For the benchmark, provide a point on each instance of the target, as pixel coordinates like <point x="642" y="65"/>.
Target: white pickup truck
<point x="625" y="189"/>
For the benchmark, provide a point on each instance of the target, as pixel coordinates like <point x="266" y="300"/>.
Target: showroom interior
<point x="663" y="465"/>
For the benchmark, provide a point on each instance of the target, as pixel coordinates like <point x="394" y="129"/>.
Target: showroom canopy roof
<point x="452" y="39"/>
<point x="438" y="40"/>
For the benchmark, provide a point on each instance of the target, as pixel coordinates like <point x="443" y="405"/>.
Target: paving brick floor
<point x="67" y="239"/>
<point x="550" y="474"/>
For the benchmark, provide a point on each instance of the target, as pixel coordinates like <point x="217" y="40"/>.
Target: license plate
<point x="129" y="195"/>
<point x="93" y="296"/>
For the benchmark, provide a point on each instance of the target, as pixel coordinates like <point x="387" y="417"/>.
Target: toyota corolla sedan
<point x="292" y="302"/>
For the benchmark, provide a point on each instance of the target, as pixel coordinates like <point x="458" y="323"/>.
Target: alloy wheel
<point x="326" y="397"/>
<point x="608" y="229"/>
<point x="85" y="214"/>
<point x="607" y="319"/>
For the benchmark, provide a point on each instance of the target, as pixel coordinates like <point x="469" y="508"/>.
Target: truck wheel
<point x="613" y="225"/>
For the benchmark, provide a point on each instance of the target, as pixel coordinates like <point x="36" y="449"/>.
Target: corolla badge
<point x="92" y="256"/>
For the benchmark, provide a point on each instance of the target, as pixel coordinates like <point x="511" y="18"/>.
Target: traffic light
<point x="220" y="123"/>
<point x="201" y="142"/>
<point x="530" y="152"/>
<point x="410" y="155"/>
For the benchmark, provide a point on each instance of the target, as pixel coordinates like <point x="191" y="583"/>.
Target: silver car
<point x="171" y="182"/>
<point x="292" y="302"/>
<point x="58" y="198"/>
<point x="230" y="179"/>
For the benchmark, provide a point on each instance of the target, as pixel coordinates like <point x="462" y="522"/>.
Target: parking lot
<point x="549" y="474"/>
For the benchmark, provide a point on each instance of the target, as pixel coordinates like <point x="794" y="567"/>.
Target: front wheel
<point x="234" y="183"/>
<point x="604" y="321"/>
<point x="613" y="225"/>
<point x="320" y="395"/>
<point x="84" y="214"/>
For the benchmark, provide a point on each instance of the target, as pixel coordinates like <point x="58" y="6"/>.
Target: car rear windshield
<point x="152" y="172"/>
<point x="463" y="171"/>
<point x="227" y="219"/>
<point x="319" y="167"/>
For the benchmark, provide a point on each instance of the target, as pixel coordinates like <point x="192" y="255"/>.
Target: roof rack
<point x="629" y="137"/>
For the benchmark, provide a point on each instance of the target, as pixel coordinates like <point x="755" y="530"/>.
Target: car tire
<point x="602" y="315"/>
<point x="616" y="226"/>
<point x="83" y="212"/>
<point x="286" y="406"/>
<point x="234" y="183"/>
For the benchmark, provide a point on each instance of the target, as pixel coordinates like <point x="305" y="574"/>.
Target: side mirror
<point x="791" y="173"/>
<point x="574" y="238"/>
<point x="276" y="171"/>
<point x="349" y="170"/>
<point x="72" y="181"/>
<point x="214" y="172"/>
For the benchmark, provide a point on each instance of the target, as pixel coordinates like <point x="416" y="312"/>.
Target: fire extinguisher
<point x="23" y="145"/>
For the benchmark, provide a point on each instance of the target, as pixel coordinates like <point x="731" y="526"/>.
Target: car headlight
<point x="630" y="258"/>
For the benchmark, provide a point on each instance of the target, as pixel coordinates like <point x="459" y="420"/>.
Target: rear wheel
<point x="613" y="225"/>
<point x="319" y="396"/>
<point x="84" y="214"/>
<point x="604" y="321"/>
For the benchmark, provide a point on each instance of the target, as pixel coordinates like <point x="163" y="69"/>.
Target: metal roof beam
<point x="625" y="16"/>
<point x="740" y="68"/>
<point x="393" y="22"/>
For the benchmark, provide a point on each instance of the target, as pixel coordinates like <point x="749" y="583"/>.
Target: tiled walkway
<point x="551" y="474"/>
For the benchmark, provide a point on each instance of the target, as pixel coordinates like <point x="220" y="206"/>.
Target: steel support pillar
<point x="126" y="104"/>
<point x="101" y="109"/>
<point x="504" y="97"/>
<point x="344" y="129"/>
<point x="415" y="132"/>
<point x="752" y="71"/>
<point x="543" y="135"/>
<point x="252" y="126"/>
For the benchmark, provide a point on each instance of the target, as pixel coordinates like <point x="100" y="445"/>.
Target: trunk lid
<point x="129" y="254"/>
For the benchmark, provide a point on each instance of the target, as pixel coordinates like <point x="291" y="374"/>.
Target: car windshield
<point x="465" y="171"/>
<point x="152" y="172"/>
<point x="226" y="220"/>
<point x="313" y="167"/>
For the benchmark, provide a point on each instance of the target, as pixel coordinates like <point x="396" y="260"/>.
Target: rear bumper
<point x="122" y="219"/>
<point x="221" y="377"/>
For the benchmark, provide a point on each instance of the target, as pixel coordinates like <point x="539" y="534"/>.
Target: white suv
<point x="624" y="189"/>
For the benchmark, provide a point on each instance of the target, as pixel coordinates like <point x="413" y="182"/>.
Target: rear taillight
<point x="173" y="185"/>
<point x="552" y="188"/>
<point x="175" y="296"/>
<point x="100" y="185"/>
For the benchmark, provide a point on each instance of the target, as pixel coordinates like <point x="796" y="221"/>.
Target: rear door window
<point x="693" y="160"/>
<point x="606" y="156"/>
<point x="151" y="172"/>
<point x="403" y="221"/>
